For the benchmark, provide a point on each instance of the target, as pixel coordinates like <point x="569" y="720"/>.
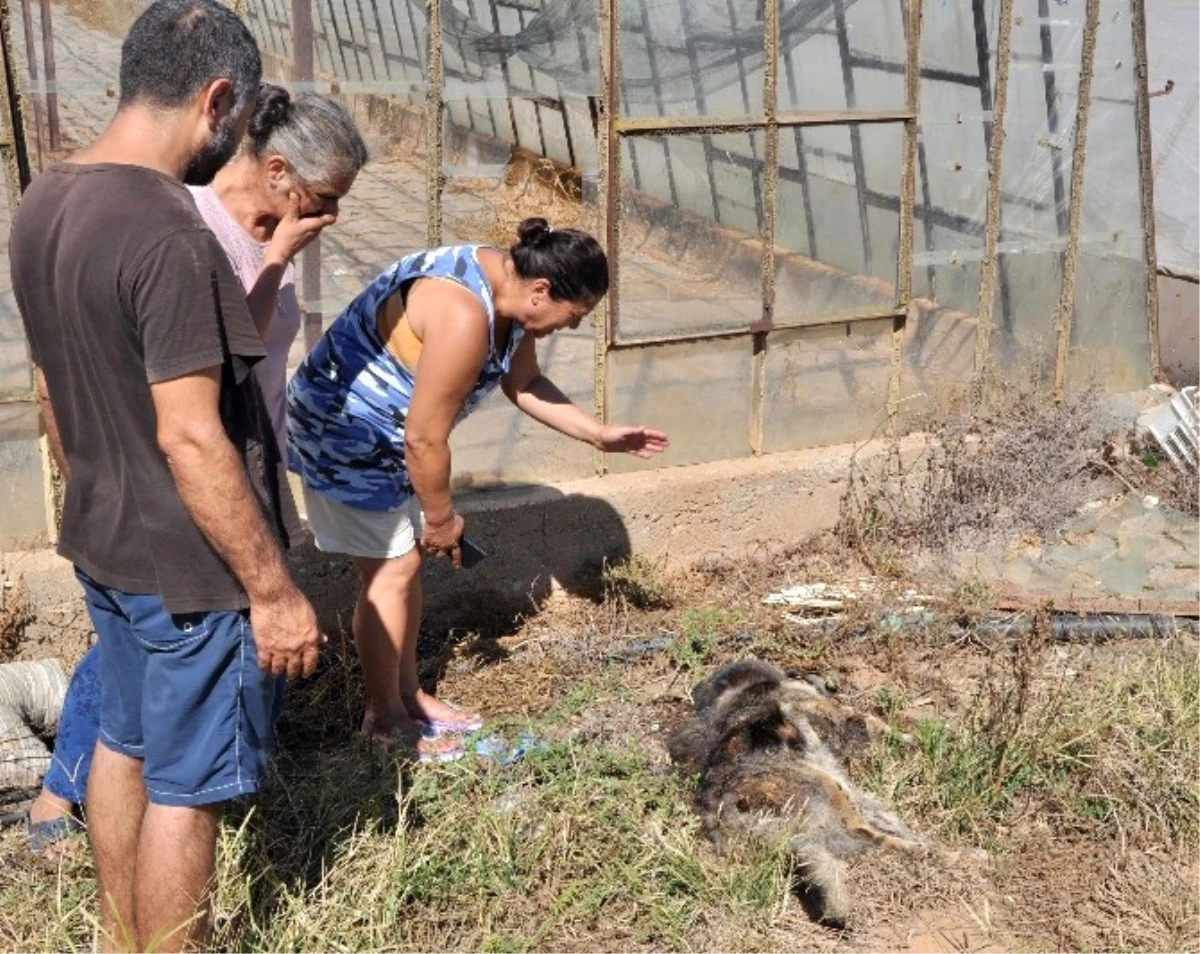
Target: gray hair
<point x="315" y="135"/>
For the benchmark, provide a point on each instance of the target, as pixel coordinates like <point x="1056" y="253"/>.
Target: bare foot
<point x="431" y="709"/>
<point x="403" y="732"/>
<point x="48" y="807"/>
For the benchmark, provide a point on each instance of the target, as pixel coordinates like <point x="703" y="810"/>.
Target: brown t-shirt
<point x="120" y="285"/>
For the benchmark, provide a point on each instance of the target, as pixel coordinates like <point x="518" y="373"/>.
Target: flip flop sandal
<point x="454" y="726"/>
<point x="446" y="755"/>
<point x="430" y="734"/>
<point x="41" y="835"/>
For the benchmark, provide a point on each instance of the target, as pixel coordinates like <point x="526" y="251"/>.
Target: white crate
<point x="1176" y="428"/>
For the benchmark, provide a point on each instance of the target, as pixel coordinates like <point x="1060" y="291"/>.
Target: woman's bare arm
<point x="540" y="398"/>
<point x="454" y="332"/>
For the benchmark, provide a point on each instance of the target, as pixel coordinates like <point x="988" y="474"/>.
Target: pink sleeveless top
<point x="246" y="254"/>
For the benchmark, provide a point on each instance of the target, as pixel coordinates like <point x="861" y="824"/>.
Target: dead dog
<point x="770" y="755"/>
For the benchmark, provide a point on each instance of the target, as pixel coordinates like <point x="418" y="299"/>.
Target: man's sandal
<point x="42" y="835"/>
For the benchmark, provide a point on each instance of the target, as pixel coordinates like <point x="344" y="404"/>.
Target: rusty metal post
<point x="1146" y="170"/>
<point x="608" y="145"/>
<point x="435" y="126"/>
<point x="908" y="200"/>
<point x="302" y="41"/>
<point x="31" y="50"/>
<point x="770" y="190"/>
<point x="51" y="75"/>
<point x="14" y="149"/>
<point x="1066" y="303"/>
<point x="991" y="239"/>
<point x="14" y="155"/>
<point x="310" y="258"/>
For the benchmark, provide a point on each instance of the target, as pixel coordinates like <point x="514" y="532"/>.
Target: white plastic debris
<point x="1175" y="427"/>
<point x="813" y="596"/>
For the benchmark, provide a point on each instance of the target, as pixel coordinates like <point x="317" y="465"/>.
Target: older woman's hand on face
<point x="295" y="231"/>
<point x="636" y="440"/>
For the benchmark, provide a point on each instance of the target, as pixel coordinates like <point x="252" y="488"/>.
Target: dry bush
<point x="1140" y="464"/>
<point x="638" y="582"/>
<point x="1177" y="489"/>
<point x="1016" y="462"/>
<point x="16" y="613"/>
<point x="1147" y="468"/>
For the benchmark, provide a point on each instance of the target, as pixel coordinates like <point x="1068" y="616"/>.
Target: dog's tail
<point x="820" y="882"/>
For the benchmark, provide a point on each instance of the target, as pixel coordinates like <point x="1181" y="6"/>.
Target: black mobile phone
<point x="472" y="556"/>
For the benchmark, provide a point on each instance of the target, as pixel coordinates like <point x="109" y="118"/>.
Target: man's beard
<point x="205" y="164"/>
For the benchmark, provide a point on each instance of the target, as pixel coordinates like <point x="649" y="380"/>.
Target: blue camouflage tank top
<point x="348" y="401"/>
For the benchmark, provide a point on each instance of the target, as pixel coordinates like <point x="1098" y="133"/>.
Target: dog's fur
<point x="769" y="752"/>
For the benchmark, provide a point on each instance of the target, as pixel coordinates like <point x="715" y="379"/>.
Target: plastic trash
<point x="502" y="751"/>
<point x="1175" y="427"/>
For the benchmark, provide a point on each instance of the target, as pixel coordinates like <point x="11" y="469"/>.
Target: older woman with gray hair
<point x="300" y="156"/>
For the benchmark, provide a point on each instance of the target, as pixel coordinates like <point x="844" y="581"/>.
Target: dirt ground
<point x="1031" y="883"/>
<point x="612" y="674"/>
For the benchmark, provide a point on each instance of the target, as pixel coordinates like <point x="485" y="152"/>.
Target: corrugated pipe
<point x="1092" y="627"/>
<point x="31" y="699"/>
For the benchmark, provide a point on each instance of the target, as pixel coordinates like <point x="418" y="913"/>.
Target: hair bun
<point x="532" y="232"/>
<point x="273" y="109"/>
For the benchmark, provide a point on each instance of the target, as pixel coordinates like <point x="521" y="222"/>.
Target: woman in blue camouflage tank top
<point x="369" y="418"/>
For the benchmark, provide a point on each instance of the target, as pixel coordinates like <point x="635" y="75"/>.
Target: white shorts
<point x="341" y="528"/>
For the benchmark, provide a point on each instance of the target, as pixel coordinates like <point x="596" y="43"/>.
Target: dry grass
<point x="531" y="186"/>
<point x="1142" y="467"/>
<point x="114" y="17"/>
<point x="1109" y="754"/>
<point x="1073" y="767"/>
<point x="1015" y="463"/>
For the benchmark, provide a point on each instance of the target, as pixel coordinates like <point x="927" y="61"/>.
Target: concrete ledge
<point x="543" y="537"/>
<point x="1178" y="329"/>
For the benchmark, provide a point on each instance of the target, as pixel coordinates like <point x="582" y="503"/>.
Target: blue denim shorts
<point x="183" y="693"/>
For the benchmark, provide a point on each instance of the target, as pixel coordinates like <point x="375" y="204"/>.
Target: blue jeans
<point x="78" y="729"/>
<point x="183" y="693"/>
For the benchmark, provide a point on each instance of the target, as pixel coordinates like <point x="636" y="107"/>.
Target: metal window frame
<point x="316" y="34"/>
<point x="616" y="128"/>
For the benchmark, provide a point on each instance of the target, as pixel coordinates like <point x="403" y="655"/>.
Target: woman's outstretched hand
<point x="636" y="440"/>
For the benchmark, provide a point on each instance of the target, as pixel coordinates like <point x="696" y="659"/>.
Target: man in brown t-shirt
<point x="176" y="505"/>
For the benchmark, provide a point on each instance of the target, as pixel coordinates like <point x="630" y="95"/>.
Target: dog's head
<point x="721" y="690"/>
<point x="760" y="725"/>
<point x="737" y="712"/>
